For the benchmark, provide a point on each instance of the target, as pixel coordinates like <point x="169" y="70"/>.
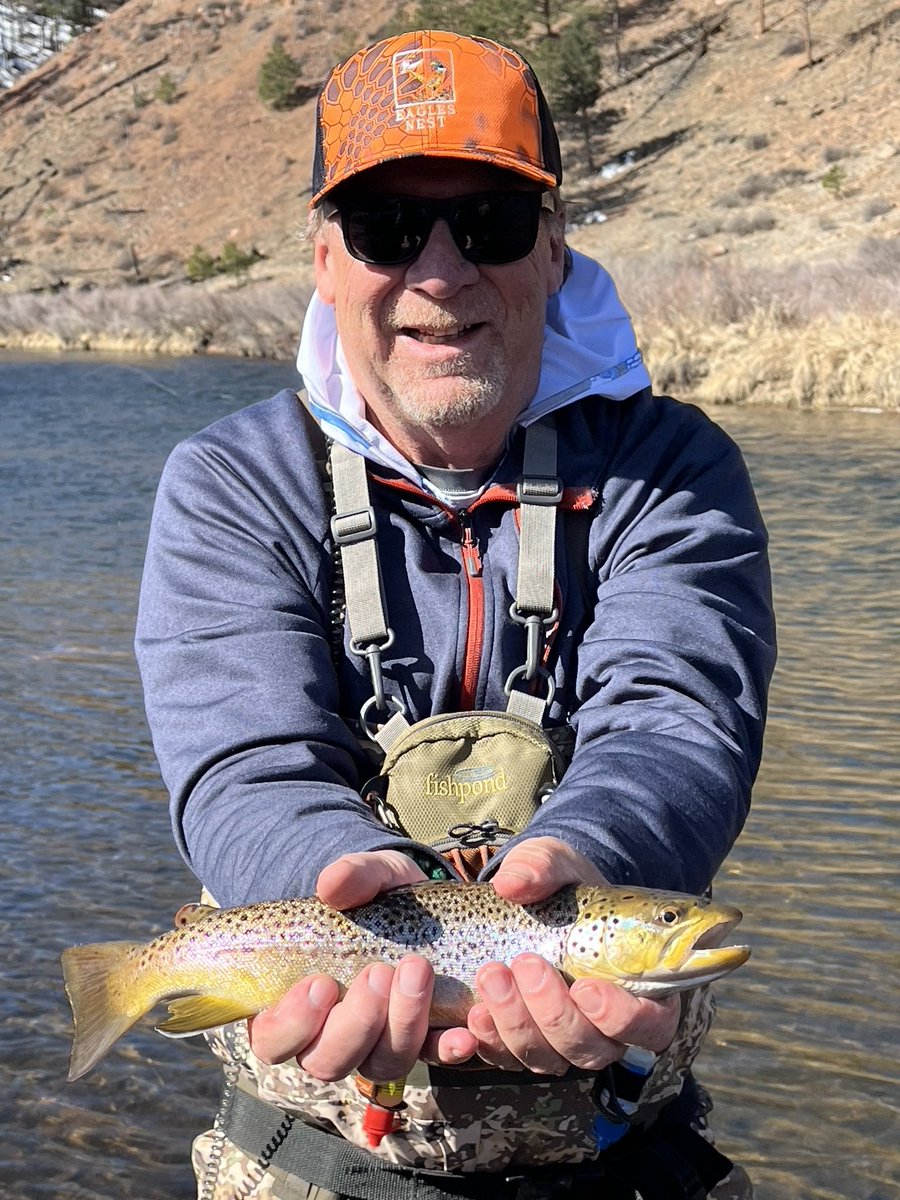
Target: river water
<point x="804" y="1057"/>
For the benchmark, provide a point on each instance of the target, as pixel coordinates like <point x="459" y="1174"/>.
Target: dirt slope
<point x="724" y="143"/>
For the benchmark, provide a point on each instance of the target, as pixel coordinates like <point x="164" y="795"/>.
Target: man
<point x="450" y="317"/>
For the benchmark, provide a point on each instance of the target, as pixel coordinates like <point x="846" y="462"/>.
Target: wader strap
<point x="540" y="494"/>
<point x="670" y="1161"/>
<point x="353" y="529"/>
<point x="276" y="1139"/>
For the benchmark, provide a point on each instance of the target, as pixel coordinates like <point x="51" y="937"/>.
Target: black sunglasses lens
<point x="495" y="227"/>
<point x="386" y="232"/>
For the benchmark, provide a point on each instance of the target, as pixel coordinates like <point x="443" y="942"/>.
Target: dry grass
<point x="258" y="321"/>
<point x="819" y="336"/>
<point x="814" y="336"/>
<point x="851" y="361"/>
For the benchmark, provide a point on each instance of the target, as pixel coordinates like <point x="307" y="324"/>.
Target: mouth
<point x="449" y="335"/>
<point x="706" y="958"/>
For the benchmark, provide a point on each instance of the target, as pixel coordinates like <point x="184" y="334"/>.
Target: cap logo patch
<point x="424" y="88"/>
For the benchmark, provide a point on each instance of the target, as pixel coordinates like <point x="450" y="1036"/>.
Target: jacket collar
<point x="589" y="350"/>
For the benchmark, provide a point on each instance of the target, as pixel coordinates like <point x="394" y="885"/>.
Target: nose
<point x="440" y="270"/>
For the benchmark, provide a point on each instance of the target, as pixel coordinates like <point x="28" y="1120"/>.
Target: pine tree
<point x="570" y="67"/>
<point x="277" y="77"/>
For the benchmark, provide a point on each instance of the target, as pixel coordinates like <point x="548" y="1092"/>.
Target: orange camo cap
<point x="438" y="94"/>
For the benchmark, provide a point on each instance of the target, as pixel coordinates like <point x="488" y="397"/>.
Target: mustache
<point x="435" y="318"/>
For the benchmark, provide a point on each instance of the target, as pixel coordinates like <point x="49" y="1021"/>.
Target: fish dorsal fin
<point x="189" y="913"/>
<point x="193" y="1014"/>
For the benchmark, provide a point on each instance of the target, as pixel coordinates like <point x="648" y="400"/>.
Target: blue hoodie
<point x="661" y="660"/>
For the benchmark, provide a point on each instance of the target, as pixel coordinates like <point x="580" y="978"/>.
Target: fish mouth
<point x="700" y="957"/>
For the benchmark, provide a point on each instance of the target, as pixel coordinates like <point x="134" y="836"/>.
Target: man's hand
<point x="380" y="1025"/>
<point x="529" y="1016"/>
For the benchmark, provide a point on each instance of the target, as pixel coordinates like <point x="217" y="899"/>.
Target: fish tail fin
<point x="105" y="1003"/>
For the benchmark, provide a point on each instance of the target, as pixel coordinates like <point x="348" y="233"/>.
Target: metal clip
<point x="535" y="637"/>
<point x="542" y="672"/>
<point x="372" y="651"/>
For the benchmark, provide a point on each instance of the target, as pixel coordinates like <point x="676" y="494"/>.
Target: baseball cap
<point x="433" y="93"/>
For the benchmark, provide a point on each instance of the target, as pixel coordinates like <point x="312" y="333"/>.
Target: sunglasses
<point x="488" y="227"/>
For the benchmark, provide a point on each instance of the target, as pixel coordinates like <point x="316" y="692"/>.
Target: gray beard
<point x="476" y="397"/>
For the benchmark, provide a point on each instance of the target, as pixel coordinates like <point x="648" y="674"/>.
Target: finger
<point x="516" y="1027"/>
<point x="353" y="1026"/>
<point x="636" y="1020"/>
<point x="407" y="1022"/>
<point x="563" y="1025"/>
<point x="449" y="1047"/>
<point x="358" y="878"/>
<point x="288" y="1027"/>
<point x="536" y="868"/>
<point x="489" y="1044"/>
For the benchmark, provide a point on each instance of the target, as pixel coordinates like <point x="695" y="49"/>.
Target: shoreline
<point x="723" y="336"/>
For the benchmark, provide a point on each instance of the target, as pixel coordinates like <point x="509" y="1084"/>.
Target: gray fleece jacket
<point x="661" y="661"/>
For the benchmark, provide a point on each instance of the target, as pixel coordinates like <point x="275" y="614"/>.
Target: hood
<point x="589" y="349"/>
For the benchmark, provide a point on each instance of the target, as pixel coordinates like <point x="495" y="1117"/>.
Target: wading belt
<point x="668" y="1161"/>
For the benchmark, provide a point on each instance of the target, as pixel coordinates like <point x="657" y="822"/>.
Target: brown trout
<point x="223" y="965"/>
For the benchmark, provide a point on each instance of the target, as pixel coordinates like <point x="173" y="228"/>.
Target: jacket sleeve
<point x="240" y="690"/>
<point x="674" y="663"/>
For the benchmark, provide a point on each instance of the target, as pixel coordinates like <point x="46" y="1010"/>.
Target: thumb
<point x="356" y="879"/>
<point x="536" y="868"/>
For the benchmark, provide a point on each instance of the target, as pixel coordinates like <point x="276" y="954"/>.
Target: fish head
<point x="651" y="942"/>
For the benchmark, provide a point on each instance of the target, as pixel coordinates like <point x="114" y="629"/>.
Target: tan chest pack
<point x="460" y="783"/>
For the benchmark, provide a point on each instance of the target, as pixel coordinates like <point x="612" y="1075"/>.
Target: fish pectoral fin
<point x="189" y="913"/>
<point x="193" y="1014"/>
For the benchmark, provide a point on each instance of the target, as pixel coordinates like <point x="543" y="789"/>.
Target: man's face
<point x="440" y="345"/>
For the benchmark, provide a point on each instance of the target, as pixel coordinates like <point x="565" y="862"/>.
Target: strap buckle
<point x="539" y="489"/>
<point x="357" y="525"/>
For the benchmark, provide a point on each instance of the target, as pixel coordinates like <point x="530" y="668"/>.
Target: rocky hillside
<point x="145" y="137"/>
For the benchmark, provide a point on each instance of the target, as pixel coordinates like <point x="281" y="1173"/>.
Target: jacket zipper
<point x="573" y="499"/>
<point x="474" y="643"/>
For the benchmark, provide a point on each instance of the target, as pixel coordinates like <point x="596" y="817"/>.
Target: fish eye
<point x="668" y="916"/>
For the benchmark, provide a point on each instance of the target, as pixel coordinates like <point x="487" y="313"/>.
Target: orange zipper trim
<point x="474" y="646"/>
<point x="574" y="500"/>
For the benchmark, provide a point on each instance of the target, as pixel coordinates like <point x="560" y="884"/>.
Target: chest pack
<point x="461" y="783"/>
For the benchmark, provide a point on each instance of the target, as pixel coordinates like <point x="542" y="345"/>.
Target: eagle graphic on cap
<point x="430" y="75"/>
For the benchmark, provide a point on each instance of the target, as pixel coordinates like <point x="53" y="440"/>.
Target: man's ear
<point x="557" y="251"/>
<point x="323" y="263"/>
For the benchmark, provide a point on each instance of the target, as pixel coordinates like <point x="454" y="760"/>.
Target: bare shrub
<point x="788" y="176"/>
<point x="705" y="229"/>
<point x="755" y="185"/>
<point x="719" y="292"/>
<point x="61" y="95"/>
<point x="876" y="208"/>
<point x="879" y="258"/>
<point x="745" y="224"/>
<point x="791" y="46"/>
<point x="728" y="200"/>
